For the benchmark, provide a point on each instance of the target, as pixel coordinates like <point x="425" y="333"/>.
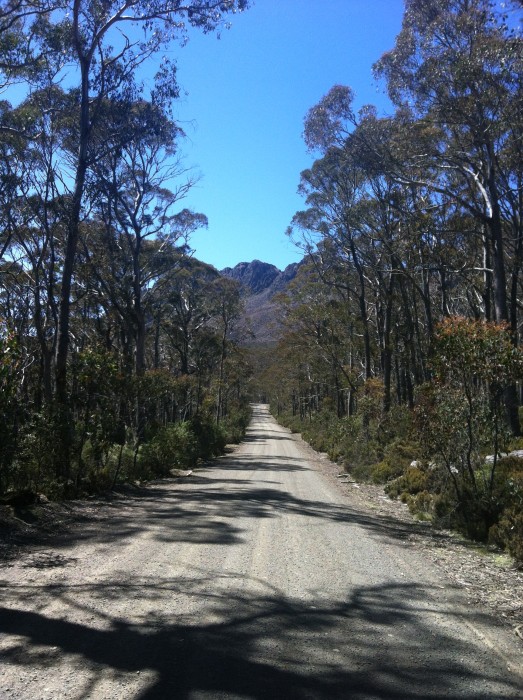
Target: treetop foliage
<point x="412" y="224"/>
<point x="468" y="350"/>
<point x="99" y="291"/>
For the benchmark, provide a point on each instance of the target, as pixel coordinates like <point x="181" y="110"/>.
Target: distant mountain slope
<point x="256" y="276"/>
<point x="261" y="282"/>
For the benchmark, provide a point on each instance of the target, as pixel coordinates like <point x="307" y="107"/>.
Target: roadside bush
<point x="97" y="480"/>
<point x="175" y="446"/>
<point x="210" y="437"/>
<point x="321" y="430"/>
<point x="481" y="510"/>
<point x="361" y="448"/>
<point x="181" y="445"/>
<point x="398" y="455"/>
<point x="235" y="424"/>
<point x="370" y="445"/>
<point x="421" y="505"/>
<point x="293" y="423"/>
<point x="414" y="480"/>
<point x="35" y="464"/>
<point x="384" y="471"/>
<point x="397" y="424"/>
<point x="507" y="488"/>
<point x="461" y="416"/>
<point x="455" y="433"/>
<point x="474" y="515"/>
<point x="123" y="464"/>
<point x="382" y="445"/>
<point x="444" y="507"/>
<point x="10" y="375"/>
<point x="425" y="489"/>
<point x="508" y="531"/>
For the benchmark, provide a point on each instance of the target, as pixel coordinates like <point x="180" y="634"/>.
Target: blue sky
<point x="248" y="93"/>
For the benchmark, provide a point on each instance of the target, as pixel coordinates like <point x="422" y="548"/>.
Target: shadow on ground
<point x="266" y="646"/>
<point x="243" y="641"/>
<point x="208" y="507"/>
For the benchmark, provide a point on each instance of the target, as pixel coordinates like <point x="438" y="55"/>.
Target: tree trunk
<point x="500" y="296"/>
<point x="362" y="302"/>
<point x="387" y="350"/>
<point x="62" y="345"/>
<point x="139" y="318"/>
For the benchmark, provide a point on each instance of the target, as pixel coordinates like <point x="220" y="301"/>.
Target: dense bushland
<point x="402" y="357"/>
<point x="124" y="428"/>
<point x="118" y="353"/>
<point x="185" y="403"/>
<point x="447" y="457"/>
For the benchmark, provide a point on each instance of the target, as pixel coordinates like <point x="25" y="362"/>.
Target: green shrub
<point x="508" y="532"/>
<point x="461" y="417"/>
<point x="443" y="507"/>
<point x="175" y="446"/>
<point x="413" y="481"/>
<point x="369" y="446"/>
<point x="475" y="514"/>
<point x="398" y="456"/>
<point x="360" y="472"/>
<point x="508" y="492"/>
<point x="421" y="504"/>
<point x="11" y="365"/>
<point x="397" y="424"/>
<point x="97" y="480"/>
<point x="384" y="471"/>
<point x="235" y="424"/>
<point x="36" y="462"/>
<point x="359" y="446"/>
<point x="124" y="465"/>
<point x="210" y="437"/>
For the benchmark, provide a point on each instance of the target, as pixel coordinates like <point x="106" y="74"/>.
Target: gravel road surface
<point x="255" y="577"/>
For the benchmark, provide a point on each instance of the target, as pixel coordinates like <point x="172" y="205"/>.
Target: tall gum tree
<point x="332" y="187"/>
<point x="134" y="201"/>
<point x="95" y="45"/>
<point x="456" y="69"/>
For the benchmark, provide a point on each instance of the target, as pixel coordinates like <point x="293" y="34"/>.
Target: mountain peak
<point x="257" y="276"/>
<point x="261" y="282"/>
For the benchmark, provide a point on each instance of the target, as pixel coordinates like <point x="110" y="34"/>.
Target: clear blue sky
<point x="244" y="98"/>
<point x="248" y="93"/>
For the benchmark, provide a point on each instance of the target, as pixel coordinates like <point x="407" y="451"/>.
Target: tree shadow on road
<point x="211" y="507"/>
<point x="261" y="437"/>
<point x="263" y="646"/>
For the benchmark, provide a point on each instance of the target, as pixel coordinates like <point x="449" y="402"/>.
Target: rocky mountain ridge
<point x="260" y="283"/>
<point x="258" y="277"/>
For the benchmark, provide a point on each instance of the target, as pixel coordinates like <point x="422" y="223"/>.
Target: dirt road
<point x="253" y="578"/>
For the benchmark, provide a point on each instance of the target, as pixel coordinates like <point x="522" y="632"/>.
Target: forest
<point x="402" y="357"/>
<point x="121" y="355"/>
<point x="117" y="357"/>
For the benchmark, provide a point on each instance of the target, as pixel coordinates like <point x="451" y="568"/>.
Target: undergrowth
<point x="100" y="463"/>
<point x="486" y="503"/>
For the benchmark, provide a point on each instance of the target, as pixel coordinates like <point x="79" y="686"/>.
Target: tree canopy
<point x="95" y="243"/>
